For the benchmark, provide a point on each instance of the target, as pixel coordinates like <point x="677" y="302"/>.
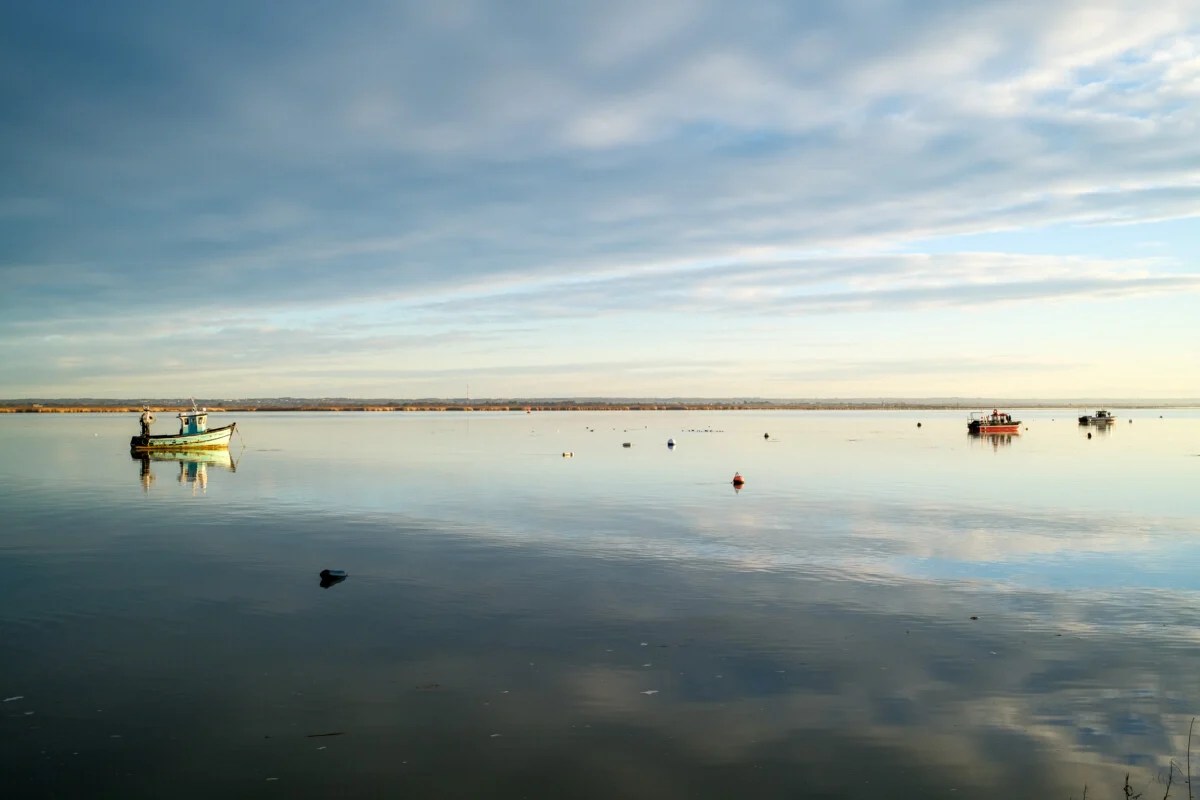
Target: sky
<point x="683" y="198"/>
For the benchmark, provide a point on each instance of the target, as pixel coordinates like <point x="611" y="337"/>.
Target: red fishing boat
<point x="996" y="422"/>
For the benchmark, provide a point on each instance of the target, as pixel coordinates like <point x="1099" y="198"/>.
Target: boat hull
<point x="208" y="440"/>
<point x="990" y="429"/>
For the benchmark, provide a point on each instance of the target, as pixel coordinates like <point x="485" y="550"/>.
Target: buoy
<point x="766" y="436"/>
<point x="918" y="424"/>
<point x="670" y="442"/>
<point x="738" y="480"/>
<point x="1089" y="436"/>
<point x="627" y="444"/>
<point x="568" y="454"/>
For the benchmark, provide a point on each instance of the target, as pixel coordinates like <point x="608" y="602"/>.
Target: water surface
<point x="883" y="610"/>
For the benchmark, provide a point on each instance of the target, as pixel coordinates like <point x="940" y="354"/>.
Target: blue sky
<point x="824" y="199"/>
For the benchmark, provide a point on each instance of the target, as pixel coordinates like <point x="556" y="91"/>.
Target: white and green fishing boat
<point x="194" y="434"/>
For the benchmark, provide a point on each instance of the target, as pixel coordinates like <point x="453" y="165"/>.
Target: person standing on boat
<point x="146" y="419"/>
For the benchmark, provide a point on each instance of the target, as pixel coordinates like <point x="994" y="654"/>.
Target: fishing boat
<point x="194" y="434"/>
<point x="996" y="422"/>
<point x="1101" y="417"/>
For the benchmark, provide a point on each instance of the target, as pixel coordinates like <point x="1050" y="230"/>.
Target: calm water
<point x="883" y="611"/>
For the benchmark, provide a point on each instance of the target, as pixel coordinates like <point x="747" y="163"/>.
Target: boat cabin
<point x="995" y="418"/>
<point x="193" y="421"/>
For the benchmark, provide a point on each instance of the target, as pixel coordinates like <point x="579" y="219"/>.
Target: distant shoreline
<point x="66" y="407"/>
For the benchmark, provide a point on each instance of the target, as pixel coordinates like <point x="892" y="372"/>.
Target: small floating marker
<point x="670" y="442"/>
<point x="738" y="480"/>
<point x="568" y="454"/>
<point x="1089" y="436"/>
<point x="918" y="424"/>
<point x="766" y="436"/>
<point x="627" y="444"/>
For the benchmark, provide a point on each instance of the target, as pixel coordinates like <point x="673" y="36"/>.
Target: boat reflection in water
<point x="1100" y="429"/>
<point x="997" y="440"/>
<point x="193" y="465"/>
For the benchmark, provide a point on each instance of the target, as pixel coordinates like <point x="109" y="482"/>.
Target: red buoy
<point x="738" y="480"/>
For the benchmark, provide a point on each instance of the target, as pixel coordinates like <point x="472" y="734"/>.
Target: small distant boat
<point x="1101" y="417"/>
<point x="193" y="434"/>
<point x="996" y="422"/>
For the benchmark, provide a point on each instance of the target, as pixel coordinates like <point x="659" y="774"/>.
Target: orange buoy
<point x="738" y="480"/>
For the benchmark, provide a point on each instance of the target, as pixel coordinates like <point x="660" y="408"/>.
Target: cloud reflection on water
<point x="815" y="641"/>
